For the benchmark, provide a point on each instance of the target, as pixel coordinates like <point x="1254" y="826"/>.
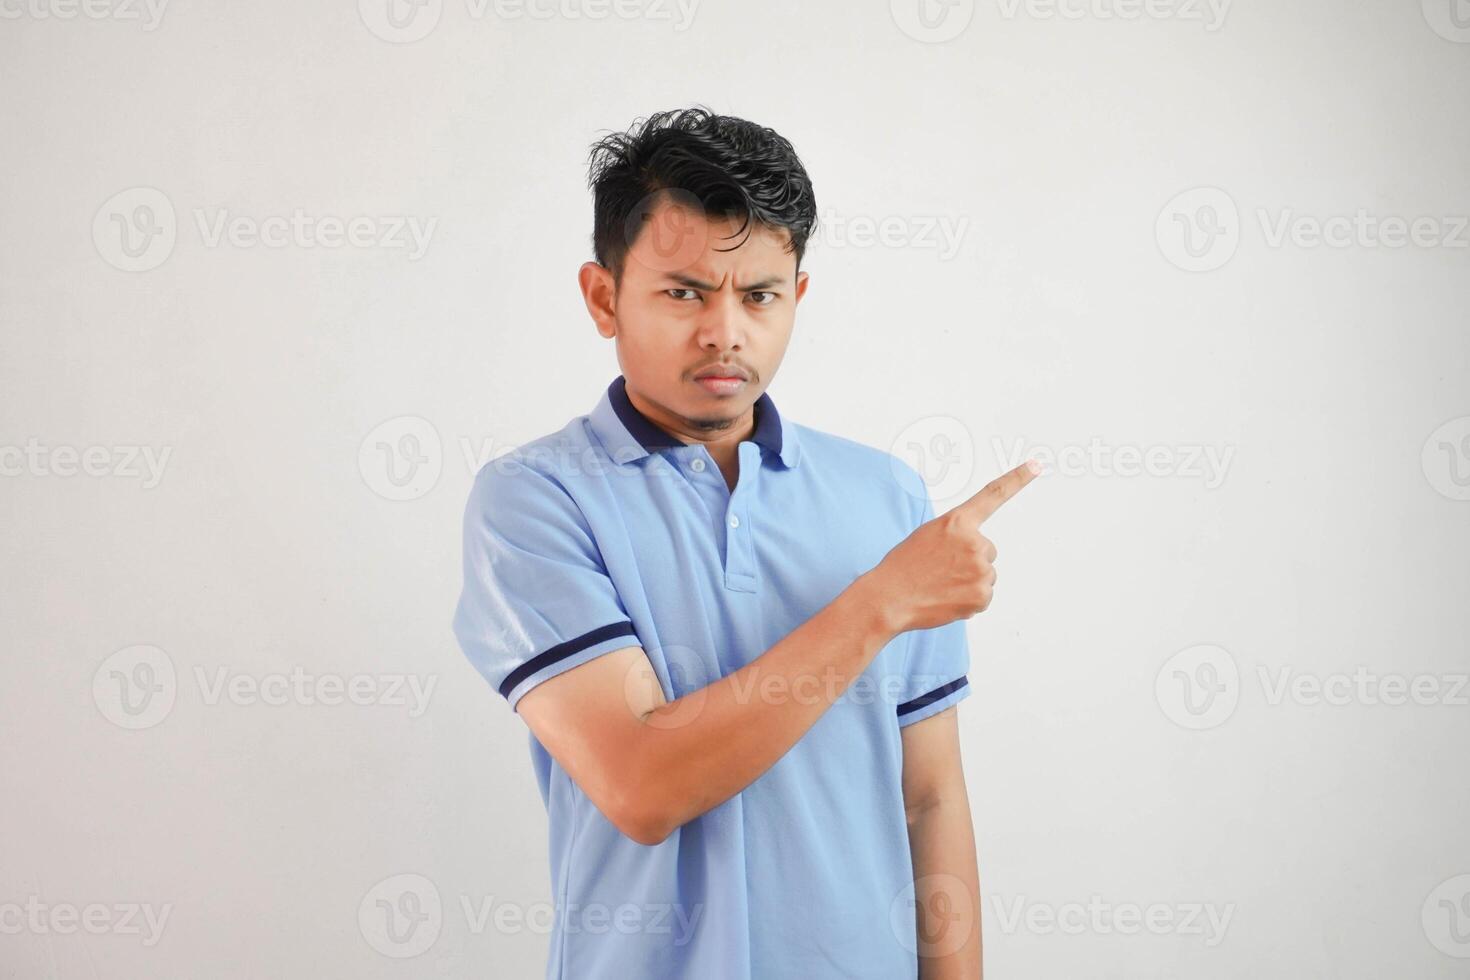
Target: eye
<point x="672" y="291"/>
<point x="768" y="302"/>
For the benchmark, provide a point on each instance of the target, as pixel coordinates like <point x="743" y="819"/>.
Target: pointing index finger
<point x="989" y="497"/>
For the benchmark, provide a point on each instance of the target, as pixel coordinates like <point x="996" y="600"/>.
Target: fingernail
<point x="1034" y="465"/>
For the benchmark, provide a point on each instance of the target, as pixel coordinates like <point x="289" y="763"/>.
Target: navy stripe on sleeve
<point x="934" y="695"/>
<point x="563" y="650"/>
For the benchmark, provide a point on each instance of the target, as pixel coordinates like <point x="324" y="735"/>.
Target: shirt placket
<point x="739" y="530"/>
<point x="730" y="512"/>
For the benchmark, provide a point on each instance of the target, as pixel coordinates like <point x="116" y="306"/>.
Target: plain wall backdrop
<point x="1210" y="257"/>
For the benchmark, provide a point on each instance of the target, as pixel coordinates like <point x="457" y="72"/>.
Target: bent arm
<point x="652" y="765"/>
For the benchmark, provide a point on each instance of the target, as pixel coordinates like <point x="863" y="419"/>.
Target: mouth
<point x="717" y="385"/>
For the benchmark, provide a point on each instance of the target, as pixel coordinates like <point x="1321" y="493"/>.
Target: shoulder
<point x="534" y="477"/>
<point x="866" y="469"/>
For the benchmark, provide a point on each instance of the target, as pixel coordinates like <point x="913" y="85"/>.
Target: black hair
<point x="730" y="167"/>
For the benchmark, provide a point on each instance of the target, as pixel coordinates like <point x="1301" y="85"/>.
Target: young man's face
<point x="684" y="306"/>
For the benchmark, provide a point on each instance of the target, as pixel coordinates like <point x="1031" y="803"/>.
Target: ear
<point x="801" y="281"/>
<point x="599" y="292"/>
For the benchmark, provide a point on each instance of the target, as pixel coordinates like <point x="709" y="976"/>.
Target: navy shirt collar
<point x="767" y="432"/>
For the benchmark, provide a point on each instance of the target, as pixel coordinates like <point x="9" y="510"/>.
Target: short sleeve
<point x="537" y="600"/>
<point x="939" y="658"/>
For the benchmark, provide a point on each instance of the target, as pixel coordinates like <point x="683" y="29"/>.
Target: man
<point x="738" y="642"/>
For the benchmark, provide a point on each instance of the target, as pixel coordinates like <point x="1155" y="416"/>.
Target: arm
<point x="942" y="841"/>
<point x="651" y="765"/>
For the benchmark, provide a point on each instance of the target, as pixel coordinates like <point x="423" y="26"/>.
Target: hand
<point x="945" y="569"/>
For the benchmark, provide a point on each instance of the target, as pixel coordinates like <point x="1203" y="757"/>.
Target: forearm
<point x="946" y="890"/>
<point x="695" y="753"/>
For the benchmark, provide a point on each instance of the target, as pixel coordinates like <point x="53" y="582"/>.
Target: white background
<point x="1337" y="378"/>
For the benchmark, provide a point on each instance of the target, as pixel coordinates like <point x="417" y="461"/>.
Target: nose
<point x="722" y="322"/>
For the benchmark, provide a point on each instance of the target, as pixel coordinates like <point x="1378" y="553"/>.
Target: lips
<point x="721" y="386"/>
<point x="725" y="371"/>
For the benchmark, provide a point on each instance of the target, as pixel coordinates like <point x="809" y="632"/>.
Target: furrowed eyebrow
<point x="692" y="283"/>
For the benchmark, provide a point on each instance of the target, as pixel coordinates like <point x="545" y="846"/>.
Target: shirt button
<point x="697" y="466"/>
<point x="734" y="521"/>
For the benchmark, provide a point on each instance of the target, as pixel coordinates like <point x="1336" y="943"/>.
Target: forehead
<point x="673" y="234"/>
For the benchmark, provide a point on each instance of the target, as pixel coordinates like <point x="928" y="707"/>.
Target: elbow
<point x="637" y="787"/>
<point x="640" y="809"/>
<point x="647" y="832"/>
<point x="636" y="822"/>
<point x="915" y="812"/>
<point x="642" y="822"/>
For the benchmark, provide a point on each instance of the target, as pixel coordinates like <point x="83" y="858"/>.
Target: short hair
<point x="731" y="167"/>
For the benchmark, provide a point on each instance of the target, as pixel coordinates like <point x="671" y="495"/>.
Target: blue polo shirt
<point x="611" y="533"/>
